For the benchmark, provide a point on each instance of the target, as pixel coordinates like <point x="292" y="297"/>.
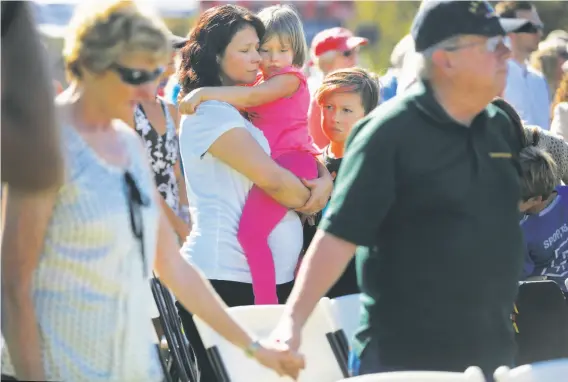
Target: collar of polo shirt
<point x="427" y="103"/>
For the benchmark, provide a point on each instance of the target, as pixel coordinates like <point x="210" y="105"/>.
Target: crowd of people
<point x="213" y="163"/>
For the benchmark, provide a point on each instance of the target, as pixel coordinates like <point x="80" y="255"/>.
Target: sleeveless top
<point x="163" y="153"/>
<point x="89" y="289"/>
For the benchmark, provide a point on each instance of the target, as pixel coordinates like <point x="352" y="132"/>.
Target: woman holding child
<point x="225" y="155"/>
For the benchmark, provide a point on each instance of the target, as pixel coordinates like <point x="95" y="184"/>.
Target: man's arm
<point x="31" y="157"/>
<point x="363" y="195"/>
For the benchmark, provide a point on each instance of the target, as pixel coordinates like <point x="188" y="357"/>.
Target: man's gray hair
<point x="424" y="61"/>
<point x="538" y="173"/>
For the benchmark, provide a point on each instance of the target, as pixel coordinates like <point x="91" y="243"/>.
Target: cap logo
<point x="482" y="8"/>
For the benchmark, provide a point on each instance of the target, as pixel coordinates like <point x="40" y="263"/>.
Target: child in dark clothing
<point x="345" y="96"/>
<point x="545" y="224"/>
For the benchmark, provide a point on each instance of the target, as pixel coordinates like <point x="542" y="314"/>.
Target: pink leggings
<point x="260" y="215"/>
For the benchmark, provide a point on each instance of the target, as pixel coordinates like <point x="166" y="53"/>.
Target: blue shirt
<point x="388" y="86"/>
<point x="546" y="240"/>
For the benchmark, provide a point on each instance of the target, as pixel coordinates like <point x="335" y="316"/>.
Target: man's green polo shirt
<point x="433" y="206"/>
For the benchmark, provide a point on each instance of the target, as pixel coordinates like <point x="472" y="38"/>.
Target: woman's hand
<point x="320" y="192"/>
<point x="189" y="103"/>
<point x="279" y="357"/>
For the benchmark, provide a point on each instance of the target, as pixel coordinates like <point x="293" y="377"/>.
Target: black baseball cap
<point x="438" y="20"/>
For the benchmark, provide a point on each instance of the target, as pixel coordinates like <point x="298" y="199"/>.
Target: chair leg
<point x="172" y="343"/>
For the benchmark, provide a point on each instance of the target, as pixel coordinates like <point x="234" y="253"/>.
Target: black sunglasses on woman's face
<point x="136" y="77"/>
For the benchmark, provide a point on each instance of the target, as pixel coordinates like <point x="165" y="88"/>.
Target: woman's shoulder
<point x="210" y="111"/>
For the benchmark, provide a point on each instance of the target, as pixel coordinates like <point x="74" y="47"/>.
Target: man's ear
<point x="441" y="59"/>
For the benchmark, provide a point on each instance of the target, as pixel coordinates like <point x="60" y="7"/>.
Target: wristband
<point x="252" y="348"/>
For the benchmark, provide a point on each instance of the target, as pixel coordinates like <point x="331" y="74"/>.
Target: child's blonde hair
<point x="283" y="22"/>
<point x="352" y="80"/>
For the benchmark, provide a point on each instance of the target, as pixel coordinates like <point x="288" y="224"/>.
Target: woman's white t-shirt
<point x="217" y="194"/>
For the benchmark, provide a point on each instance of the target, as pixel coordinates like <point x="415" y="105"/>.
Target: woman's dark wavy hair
<point x="208" y="39"/>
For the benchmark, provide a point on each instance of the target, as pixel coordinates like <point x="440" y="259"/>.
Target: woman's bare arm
<point x="238" y="149"/>
<point x="25" y="224"/>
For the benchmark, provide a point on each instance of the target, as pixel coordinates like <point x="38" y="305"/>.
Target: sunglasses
<point x="491" y="44"/>
<point x="135" y="203"/>
<point x="136" y="77"/>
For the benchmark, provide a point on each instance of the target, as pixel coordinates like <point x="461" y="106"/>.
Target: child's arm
<point x="243" y="96"/>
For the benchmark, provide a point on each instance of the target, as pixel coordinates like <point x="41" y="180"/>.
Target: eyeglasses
<point x="136" y="77"/>
<point x="491" y="44"/>
<point x="135" y="203"/>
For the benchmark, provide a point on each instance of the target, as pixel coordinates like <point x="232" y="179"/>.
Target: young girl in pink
<point x="278" y="105"/>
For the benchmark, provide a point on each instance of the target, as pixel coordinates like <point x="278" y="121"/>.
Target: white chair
<point x="548" y="371"/>
<point x="472" y="374"/>
<point x="346" y="311"/>
<point x="231" y="364"/>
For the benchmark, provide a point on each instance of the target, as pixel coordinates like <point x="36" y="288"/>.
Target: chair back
<point x="472" y="374"/>
<point x="318" y="347"/>
<point x="549" y="371"/>
<point x="346" y="312"/>
<point x="541" y="322"/>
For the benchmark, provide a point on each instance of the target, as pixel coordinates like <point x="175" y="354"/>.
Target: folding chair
<point x="346" y="314"/>
<point x="472" y="374"/>
<point x="323" y="359"/>
<point x="550" y="371"/>
<point x="182" y="368"/>
<point x="541" y="322"/>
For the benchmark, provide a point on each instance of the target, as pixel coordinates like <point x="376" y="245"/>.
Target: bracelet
<point x="252" y="348"/>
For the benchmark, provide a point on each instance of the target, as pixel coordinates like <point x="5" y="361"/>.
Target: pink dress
<point x="284" y="123"/>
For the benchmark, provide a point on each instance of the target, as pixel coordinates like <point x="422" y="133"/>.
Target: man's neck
<point x="520" y="57"/>
<point x="336" y="149"/>
<point x="459" y="104"/>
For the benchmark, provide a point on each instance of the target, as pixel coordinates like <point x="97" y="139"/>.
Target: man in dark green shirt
<point x="428" y="194"/>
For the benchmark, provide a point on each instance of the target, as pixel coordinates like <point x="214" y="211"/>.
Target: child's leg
<point x="260" y="215"/>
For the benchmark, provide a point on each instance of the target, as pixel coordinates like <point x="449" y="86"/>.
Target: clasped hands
<point x="280" y="351"/>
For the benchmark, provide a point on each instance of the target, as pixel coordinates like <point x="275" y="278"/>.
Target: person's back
<point x="545" y="224"/>
<point x="546" y="238"/>
<point x="432" y="248"/>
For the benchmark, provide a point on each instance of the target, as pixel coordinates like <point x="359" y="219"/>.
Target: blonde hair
<point x="283" y="22"/>
<point x="102" y="31"/>
<point x="545" y="60"/>
<point x="352" y="80"/>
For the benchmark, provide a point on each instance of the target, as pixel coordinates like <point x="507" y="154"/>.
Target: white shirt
<point x="527" y="91"/>
<point x="217" y="194"/>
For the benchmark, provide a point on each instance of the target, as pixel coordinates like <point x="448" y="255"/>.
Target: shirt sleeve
<point x="365" y="187"/>
<point x="211" y="120"/>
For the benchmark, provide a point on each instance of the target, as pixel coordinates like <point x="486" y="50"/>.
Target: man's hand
<point x="280" y="358"/>
<point x="288" y="333"/>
